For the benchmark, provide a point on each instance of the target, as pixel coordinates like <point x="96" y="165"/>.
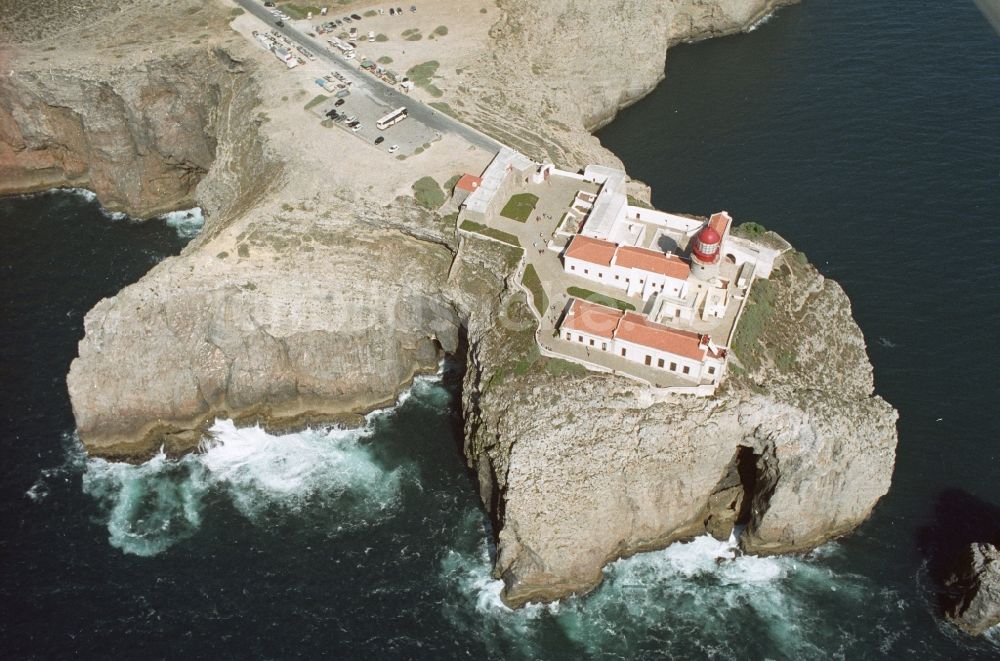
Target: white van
<point x="371" y="35"/>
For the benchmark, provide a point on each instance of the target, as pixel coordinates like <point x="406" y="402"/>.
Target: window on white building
<point x="623" y="351"/>
<point x="604" y="346"/>
<point x="569" y="336"/>
<point x="711" y="370"/>
<point x="686" y="370"/>
<point x="591" y="341"/>
<point x="659" y="363"/>
<point x="673" y="367"/>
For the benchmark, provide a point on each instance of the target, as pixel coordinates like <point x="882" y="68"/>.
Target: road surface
<point x="371" y="85"/>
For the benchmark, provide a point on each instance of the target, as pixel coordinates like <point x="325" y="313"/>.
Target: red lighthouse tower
<point x="706" y="250"/>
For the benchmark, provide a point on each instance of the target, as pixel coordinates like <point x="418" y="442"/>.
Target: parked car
<point x="339" y="102"/>
<point x="347" y="19"/>
<point x="352" y="119"/>
<point x="393" y="149"/>
<point x="268" y="4"/>
<point x="379" y="140"/>
<point x="399" y="10"/>
<point x="355" y="17"/>
<point x="392" y="12"/>
<point x="280" y="23"/>
<point x="357" y="127"/>
<point x="413" y="8"/>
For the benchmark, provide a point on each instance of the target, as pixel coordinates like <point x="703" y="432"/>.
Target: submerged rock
<point x="975" y="589"/>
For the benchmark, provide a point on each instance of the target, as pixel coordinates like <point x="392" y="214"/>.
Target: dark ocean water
<point x="866" y="133"/>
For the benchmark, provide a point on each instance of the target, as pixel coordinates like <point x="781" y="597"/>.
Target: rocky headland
<point x="317" y="291"/>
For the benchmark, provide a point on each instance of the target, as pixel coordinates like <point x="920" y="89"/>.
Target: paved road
<point x="374" y="87"/>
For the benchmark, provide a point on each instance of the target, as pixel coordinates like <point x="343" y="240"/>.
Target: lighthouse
<point x="706" y="252"/>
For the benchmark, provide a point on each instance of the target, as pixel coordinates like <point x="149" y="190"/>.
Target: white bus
<point x="396" y="116"/>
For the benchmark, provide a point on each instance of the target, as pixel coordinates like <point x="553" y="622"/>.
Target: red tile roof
<point x="591" y="318"/>
<point x="653" y="261"/>
<point x="469" y="182"/>
<point x="720" y="222"/>
<point x="590" y="250"/>
<point x="638" y="329"/>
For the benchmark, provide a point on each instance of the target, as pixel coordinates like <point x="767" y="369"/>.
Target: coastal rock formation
<point x="304" y="297"/>
<point x="140" y="128"/>
<point x="795" y="447"/>
<point x="558" y="66"/>
<point x="975" y="585"/>
<point x="237" y="329"/>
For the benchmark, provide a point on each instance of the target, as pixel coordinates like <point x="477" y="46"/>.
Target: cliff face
<point x="303" y="297"/>
<point x="141" y="127"/>
<point x="796" y="447"/>
<point x="562" y="65"/>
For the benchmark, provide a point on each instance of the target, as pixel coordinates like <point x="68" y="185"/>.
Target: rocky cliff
<point x="976" y="588"/>
<point x="560" y="66"/>
<point x="305" y="297"/>
<point x="796" y="447"/>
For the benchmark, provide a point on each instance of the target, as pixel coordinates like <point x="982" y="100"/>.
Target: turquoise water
<point x="865" y="134"/>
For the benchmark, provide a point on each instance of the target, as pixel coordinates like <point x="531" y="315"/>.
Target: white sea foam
<point x="188" y="222"/>
<point x="154" y="505"/>
<point x="702" y="590"/>
<point x="763" y="20"/>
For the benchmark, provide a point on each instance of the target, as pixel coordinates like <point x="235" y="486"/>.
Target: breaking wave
<point x="333" y="472"/>
<point x="187" y="223"/>
<point x="691" y="598"/>
<point x="152" y="506"/>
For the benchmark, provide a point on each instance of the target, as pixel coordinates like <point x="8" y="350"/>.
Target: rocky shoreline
<point x="304" y="299"/>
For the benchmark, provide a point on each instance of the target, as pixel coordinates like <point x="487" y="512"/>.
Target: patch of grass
<point x="385" y="59"/>
<point x="416" y="36"/>
<point x="382" y="37"/>
<point x="442" y="107"/>
<point x="418" y="150"/>
<point x="422" y="74"/>
<point x="236" y="11"/>
<point x="370" y="13"/>
<point x="316" y="100"/>
<point x="449" y="186"/>
<point x="560" y="367"/>
<point x="600" y="299"/>
<point x="633" y="201"/>
<point x="750" y="230"/>
<point x="519" y="206"/>
<point x="534" y="285"/>
<point x="503" y="237"/>
<point x="483" y="10"/>
<point x="428" y="193"/>
<point x="299" y="11"/>
<point x="285" y="206"/>
<point x="760" y="307"/>
<point x="441" y="30"/>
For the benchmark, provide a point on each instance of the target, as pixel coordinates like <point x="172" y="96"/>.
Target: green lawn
<point x="316" y="100"/>
<point x="297" y="11"/>
<point x="600" y="299"/>
<point x="519" y="207"/>
<point x="534" y="285"/>
<point x="503" y="237"/>
<point x="423" y="74"/>
<point x="428" y="193"/>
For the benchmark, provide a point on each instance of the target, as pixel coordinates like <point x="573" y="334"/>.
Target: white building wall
<point x="637" y="354"/>
<point x="588" y="340"/>
<point x="589" y="271"/>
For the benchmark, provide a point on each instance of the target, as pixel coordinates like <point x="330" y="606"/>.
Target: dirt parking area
<point x="451" y="33"/>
